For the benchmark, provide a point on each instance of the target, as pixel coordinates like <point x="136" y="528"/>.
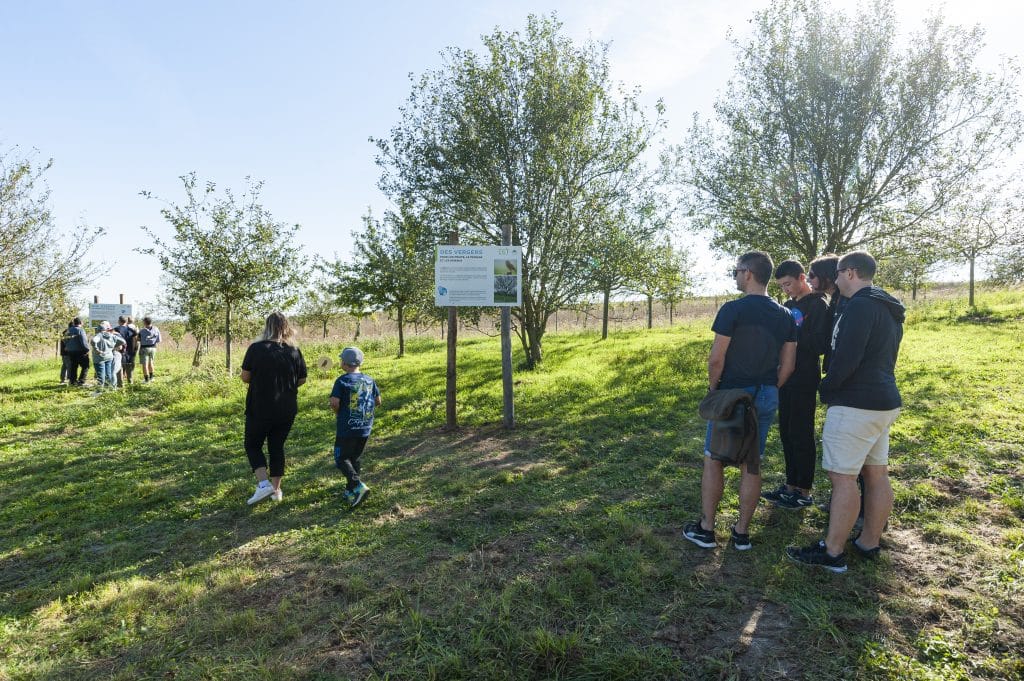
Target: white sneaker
<point x="277" y="496"/>
<point x="261" y="493"/>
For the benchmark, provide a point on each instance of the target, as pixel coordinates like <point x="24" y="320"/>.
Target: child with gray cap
<point x="353" y="399"/>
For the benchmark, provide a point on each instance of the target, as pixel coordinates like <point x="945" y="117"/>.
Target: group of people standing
<point x="838" y="322"/>
<point x="112" y="350"/>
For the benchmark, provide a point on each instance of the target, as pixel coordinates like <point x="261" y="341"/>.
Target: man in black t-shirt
<point x="798" y="398"/>
<point x="754" y="350"/>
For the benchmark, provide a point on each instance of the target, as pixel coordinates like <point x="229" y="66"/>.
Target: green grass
<point x="552" y="551"/>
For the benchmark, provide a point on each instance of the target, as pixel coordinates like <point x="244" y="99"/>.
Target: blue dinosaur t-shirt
<point x="358" y="394"/>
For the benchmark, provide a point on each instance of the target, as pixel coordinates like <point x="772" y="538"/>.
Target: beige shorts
<point x="147" y="353"/>
<point x="853" y="438"/>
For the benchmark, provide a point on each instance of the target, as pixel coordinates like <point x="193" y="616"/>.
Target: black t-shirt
<point x="813" y="322"/>
<point x="757" y="327"/>
<point x="273" y="389"/>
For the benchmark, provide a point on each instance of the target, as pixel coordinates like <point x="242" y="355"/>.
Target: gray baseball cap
<point x="352" y="357"/>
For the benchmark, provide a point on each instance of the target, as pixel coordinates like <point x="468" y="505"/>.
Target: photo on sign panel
<point x="503" y="267"/>
<point x="505" y="289"/>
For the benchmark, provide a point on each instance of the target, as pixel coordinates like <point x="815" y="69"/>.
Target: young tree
<point x="392" y="266"/>
<point x="831" y="136"/>
<point x="228" y="255"/>
<point x="979" y="225"/>
<point x="623" y="245"/>
<point x="905" y="263"/>
<point x="319" y="306"/>
<point x="530" y="134"/>
<point x="665" y="273"/>
<point x="40" y="267"/>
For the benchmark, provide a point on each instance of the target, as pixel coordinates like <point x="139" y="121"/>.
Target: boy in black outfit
<point x="354" y="398"/>
<point x="798" y="397"/>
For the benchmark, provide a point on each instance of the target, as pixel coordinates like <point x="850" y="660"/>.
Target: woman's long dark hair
<point x="824" y="268"/>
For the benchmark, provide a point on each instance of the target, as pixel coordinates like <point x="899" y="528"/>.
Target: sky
<point x="126" y="97"/>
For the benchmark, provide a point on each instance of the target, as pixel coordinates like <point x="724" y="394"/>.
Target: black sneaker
<point x="774" y="495"/>
<point x="817" y="555"/>
<point x="794" y="499"/>
<point x="705" y="539"/>
<point x="870" y="554"/>
<point x="741" y="542"/>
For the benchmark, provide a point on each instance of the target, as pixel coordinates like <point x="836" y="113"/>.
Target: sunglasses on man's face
<point x="733" y="273"/>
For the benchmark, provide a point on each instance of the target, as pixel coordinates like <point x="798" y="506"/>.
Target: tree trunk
<point x="401" y="330"/>
<point x="606" y="295"/>
<point x="650" y="312"/>
<point x="359" y="322"/>
<point x="970" y="299"/>
<point x="442" y="329"/>
<point x="536" y="352"/>
<point x="325" y="329"/>
<point x="671" y="311"/>
<point x="197" y="356"/>
<point x="227" y="335"/>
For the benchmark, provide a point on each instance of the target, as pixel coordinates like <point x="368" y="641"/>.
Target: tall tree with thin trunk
<point x="533" y="134"/>
<point x="392" y="266"/>
<point x="41" y="266"/>
<point x="665" y="273"/>
<point x="228" y="256"/>
<point x="981" y="225"/>
<point x="832" y="135"/>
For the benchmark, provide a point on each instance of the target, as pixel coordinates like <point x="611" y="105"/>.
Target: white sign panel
<point x="99" y="312"/>
<point x="478" y="276"/>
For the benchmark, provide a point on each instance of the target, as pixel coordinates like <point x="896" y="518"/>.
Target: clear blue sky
<point x="129" y="96"/>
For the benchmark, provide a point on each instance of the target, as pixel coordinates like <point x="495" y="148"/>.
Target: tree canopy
<point x="532" y="134"/>
<point x="40" y="265"/>
<point x="392" y="267"/>
<point x="832" y="134"/>
<point x="228" y="258"/>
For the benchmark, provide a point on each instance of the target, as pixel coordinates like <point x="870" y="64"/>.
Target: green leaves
<point x="830" y="136"/>
<point x="532" y="134"/>
<point x="229" y="257"/>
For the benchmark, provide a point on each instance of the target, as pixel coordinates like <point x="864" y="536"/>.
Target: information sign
<point x="478" y="276"/>
<point x="99" y="312"/>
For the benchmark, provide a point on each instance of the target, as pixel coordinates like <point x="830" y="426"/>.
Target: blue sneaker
<point x="357" y="495"/>
<point x="346" y="496"/>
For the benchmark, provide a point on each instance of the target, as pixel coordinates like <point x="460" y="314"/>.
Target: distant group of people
<point x="112" y="351"/>
<point x="838" y="322"/>
<point x="274" y="369"/>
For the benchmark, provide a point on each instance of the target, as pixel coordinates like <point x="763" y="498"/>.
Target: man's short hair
<point x="860" y="261"/>
<point x="759" y="264"/>
<point x="76" y="322"/>
<point x="789" y="268"/>
<point x="147" y="321"/>
<point x="122" y="320"/>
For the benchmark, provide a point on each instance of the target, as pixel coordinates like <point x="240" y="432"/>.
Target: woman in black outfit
<point x="274" y="369"/>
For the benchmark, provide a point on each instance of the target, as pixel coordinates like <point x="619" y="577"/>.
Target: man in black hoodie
<point x="863" y="402"/>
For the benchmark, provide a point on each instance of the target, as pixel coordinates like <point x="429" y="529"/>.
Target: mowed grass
<point x="551" y="551"/>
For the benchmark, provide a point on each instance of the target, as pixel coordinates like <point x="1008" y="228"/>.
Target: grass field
<point x="552" y="551"/>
